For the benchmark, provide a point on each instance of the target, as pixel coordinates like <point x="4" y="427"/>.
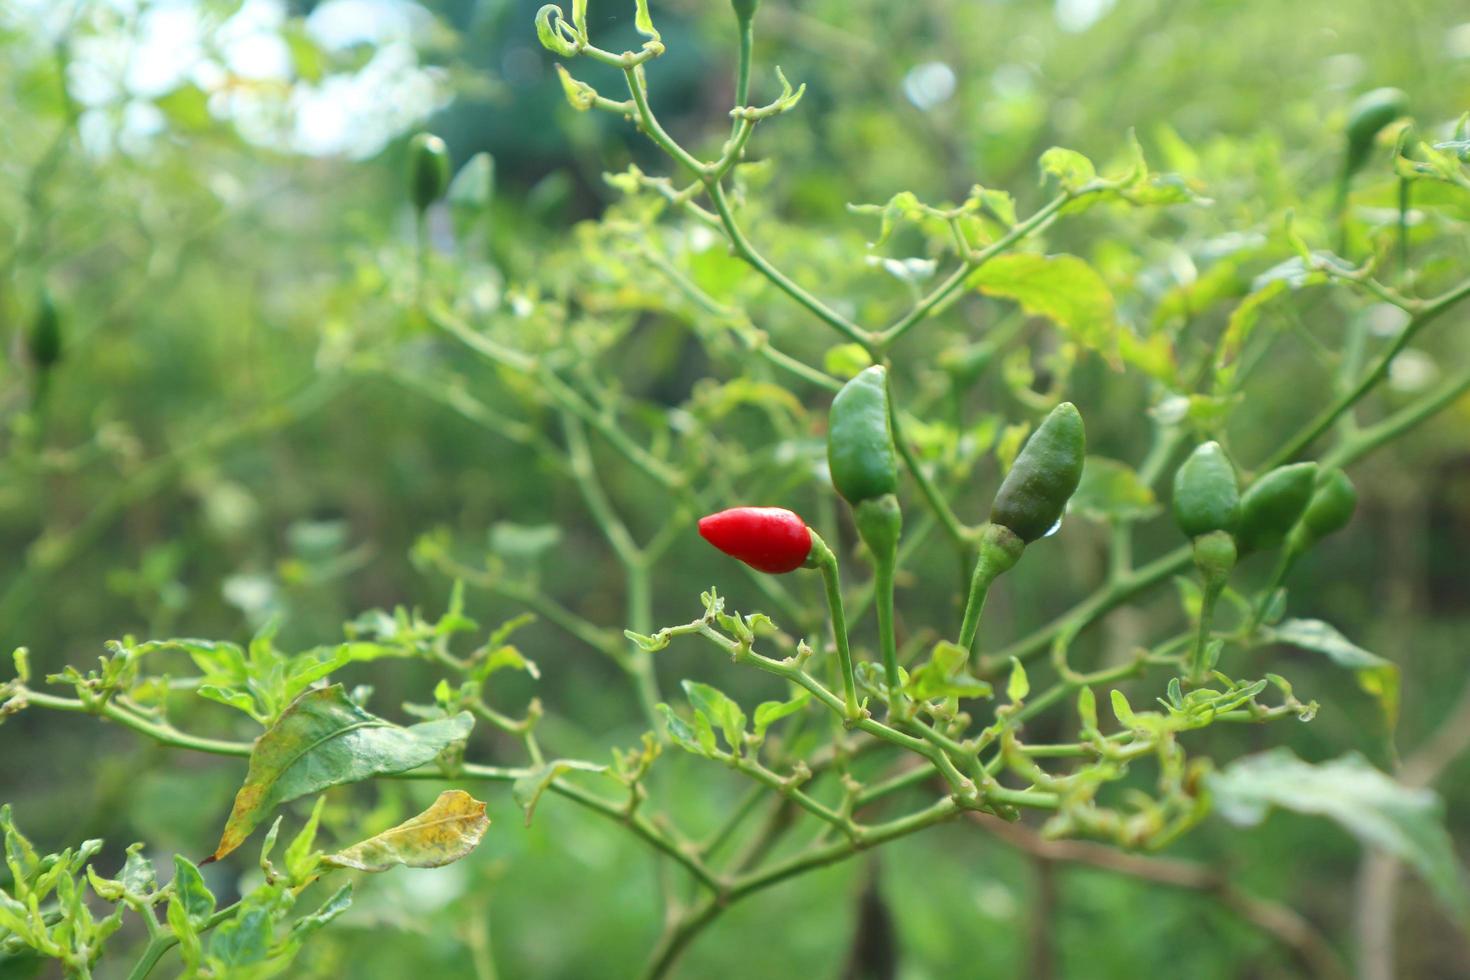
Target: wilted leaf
<point x="443" y="833"/>
<point x="323" y="739"/>
<point x="1381" y="813"/>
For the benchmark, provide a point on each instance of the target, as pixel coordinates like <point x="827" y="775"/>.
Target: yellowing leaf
<point x="1062" y="288"/>
<point x="442" y="834"/>
<point x="323" y="739"/>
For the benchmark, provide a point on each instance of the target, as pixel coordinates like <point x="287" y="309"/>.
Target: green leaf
<point x="244" y="939"/>
<point x="1087" y="709"/>
<point x="549" y="24"/>
<point x="1376" y="676"/>
<point x="234" y="697"/>
<point x="1121" y="709"/>
<point x="679" y="730"/>
<point x="1404" y="821"/>
<point x="1062" y="288"/>
<point x="1112" y="491"/>
<point x="643" y="23"/>
<point x="300" y="860"/>
<point x="137" y="874"/>
<point x="1018" y="686"/>
<point x="340" y="902"/>
<point x="1241" y="325"/>
<point x="846" y="360"/>
<point x="195" y="899"/>
<point x="523" y="541"/>
<point x="1071" y="169"/>
<point x="501" y="657"/>
<point x="323" y="739"/>
<point x="448" y="830"/>
<point x="719" y="709"/>
<point x="767" y="713"/>
<point x="528" y="789"/>
<point x="649" y="644"/>
<point x="943" y="675"/>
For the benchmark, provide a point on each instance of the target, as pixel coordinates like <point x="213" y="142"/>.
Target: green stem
<point x="746" y="251"/>
<point x="1366" y="440"/>
<point x="1208" y="600"/>
<point x="979" y="587"/>
<point x="640" y="662"/>
<point x="1426" y="312"/>
<point x="154" y="951"/>
<point x="421" y="256"/>
<point x="957" y="532"/>
<point x="162" y="942"/>
<point x="826" y="563"/>
<point x="742" y="74"/>
<point x="927" y="305"/>
<point x="682" y="932"/>
<point x="883" y="604"/>
<point x="1000" y="549"/>
<point x="1099" y="603"/>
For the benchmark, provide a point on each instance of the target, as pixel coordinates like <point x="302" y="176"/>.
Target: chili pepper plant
<point x="932" y="495"/>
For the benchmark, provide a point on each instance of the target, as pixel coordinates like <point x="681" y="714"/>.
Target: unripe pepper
<point x="768" y="539"/>
<point x="1272" y="505"/>
<point x="1028" y="504"/>
<point x="1034" y="493"/>
<point x="1368" y="115"/>
<point x="1206" y="492"/>
<point x="1331" y="507"/>
<point x="428" y="170"/>
<point x="860" y="451"/>
<point x="44" y="341"/>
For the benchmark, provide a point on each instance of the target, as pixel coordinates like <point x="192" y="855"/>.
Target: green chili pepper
<point x="860" y="450"/>
<point x="1206" y="492"/>
<point x="1272" y="505"/>
<point x="1034" y="493"/>
<point x="428" y="170"/>
<point x="1369" y="114"/>
<point x="1331" y="507"/>
<point x="44" y="342"/>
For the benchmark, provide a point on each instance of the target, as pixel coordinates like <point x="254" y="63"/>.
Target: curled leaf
<point x="448" y="830"/>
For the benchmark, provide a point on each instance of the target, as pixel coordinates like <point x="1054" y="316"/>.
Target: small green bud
<point x="428" y="170"/>
<point x="1272" y="505"/>
<point x="1044" y="476"/>
<point x="744" y="9"/>
<point x="1206" y="492"/>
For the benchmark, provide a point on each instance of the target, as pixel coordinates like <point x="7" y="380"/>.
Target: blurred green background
<point x="248" y="424"/>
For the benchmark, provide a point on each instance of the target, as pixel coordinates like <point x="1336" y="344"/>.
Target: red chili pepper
<point x="769" y="539"/>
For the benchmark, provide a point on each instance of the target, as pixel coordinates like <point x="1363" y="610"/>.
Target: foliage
<point x="594" y="389"/>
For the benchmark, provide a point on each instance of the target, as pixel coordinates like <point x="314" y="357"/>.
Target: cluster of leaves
<point x="558" y="375"/>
